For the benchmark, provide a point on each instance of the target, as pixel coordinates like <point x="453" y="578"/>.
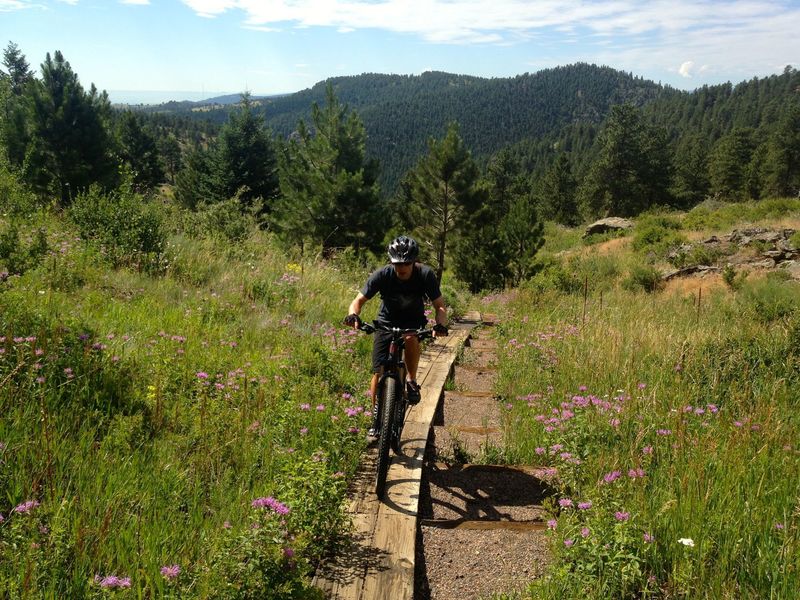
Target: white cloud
<point x="140" y="2"/>
<point x="9" y="5"/>
<point x="736" y="36"/>
<point x="685" y="69"/>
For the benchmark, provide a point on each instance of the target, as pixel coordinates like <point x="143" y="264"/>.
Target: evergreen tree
<point x="480" y="255"/>
<point x="137" y="147"/>
<point x="245" y="161"/>
<point x="523" y="235"/>
<point x="728" y="164"/>
<point x="13" y="128"/>
<point x="557" y="193"/>
<point x="241" y="162"/>
<point x="442" y="192"/>
<point x="690" y="181"/>
<point x="17" y="69"/>
<point x="69" y="147"/>
<point x="194" y="183"/>
<point x="781" y="166"/>
<point x="632" y="171"/>
<point x="330" y="196"/>
<point x="169" y="148"/>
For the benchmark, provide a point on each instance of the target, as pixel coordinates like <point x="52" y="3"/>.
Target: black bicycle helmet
<point x="403" y="249"/>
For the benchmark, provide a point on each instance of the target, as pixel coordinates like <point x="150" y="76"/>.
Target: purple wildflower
<point x="585" y="505"/>
<point x="170" y="572"/>
<point x="202" y="375"/>
<point x="26" y="507"/>
<point x="271" y="503"/>
<point x="112" y="581"/>
<point x="585" y="532"/>
<point x="569" y="543"/>
<point x="565" y="502"/>
<point x="648" y="538"/>
<point x="612" y="476"/>
<point x="622" y="516"/>
<point x="552" y="524"/>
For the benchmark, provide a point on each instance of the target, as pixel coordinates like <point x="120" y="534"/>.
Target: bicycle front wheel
<point x="389" y="390"/>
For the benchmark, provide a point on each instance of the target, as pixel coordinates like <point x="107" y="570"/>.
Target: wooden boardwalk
<point x="379" y="563"/>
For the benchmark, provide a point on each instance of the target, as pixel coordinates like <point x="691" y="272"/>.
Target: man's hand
<point x="353" y="321"/>
<point x="440" y="330"/>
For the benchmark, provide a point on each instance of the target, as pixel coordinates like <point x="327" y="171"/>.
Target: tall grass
<point x="674" y="433"/>
<point x="143" y="417"/>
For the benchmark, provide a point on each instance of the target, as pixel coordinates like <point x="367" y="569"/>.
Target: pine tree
<point x="632" y="171"/>
<point x="523" y="235"/>
<point x="169" y="148"/>
<point x="17" y="70"/>
<point x="70" y="147"/>
<point x="557" y="193"/>
<point x="330" y="196"/>
<point x="442" y="192"/>
<point x="781" y="166"/>
<point x="728" y="164"/>
<point x="14" y="127"/>
<point x="245" y="160"/>
<point x="137" y="147"/>
<point x="690" y="181"/>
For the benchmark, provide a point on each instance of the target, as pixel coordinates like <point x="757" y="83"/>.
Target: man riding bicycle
<point x="403" y="286"/>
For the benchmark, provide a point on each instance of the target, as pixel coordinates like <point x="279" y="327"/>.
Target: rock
<point x="703" y="269"/>
<point x="608" y="224"/>
<point x="712" y="240"/>
<point x="793" y="267"/>
<point x="767" y="263"/>
<point x="776" y="255"/>
<point x="679" y="251"/>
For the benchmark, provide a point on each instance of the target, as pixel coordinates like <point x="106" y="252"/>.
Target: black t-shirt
<point x="403" y="302"/>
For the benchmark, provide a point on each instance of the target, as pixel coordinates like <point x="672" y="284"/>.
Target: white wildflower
<point x="686" y="542"/>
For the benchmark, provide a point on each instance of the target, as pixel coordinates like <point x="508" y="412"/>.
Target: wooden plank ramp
<point x="379" y="563"/>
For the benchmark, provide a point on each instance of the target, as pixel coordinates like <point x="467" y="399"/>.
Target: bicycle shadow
<point x="482" y="493"/>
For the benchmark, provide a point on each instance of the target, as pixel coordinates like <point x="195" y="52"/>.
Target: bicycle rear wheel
<point x="389" y="391"/>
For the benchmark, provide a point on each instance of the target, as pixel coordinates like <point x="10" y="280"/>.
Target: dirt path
<point x="481" y="527"/>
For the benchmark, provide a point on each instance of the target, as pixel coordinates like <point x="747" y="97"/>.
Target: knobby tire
<point x="388" y="408"/>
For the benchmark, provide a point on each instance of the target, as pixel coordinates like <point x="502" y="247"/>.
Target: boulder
<point x="608" y="224"/>
<point x="793" y="268"/>
<point x="685" y="271"/>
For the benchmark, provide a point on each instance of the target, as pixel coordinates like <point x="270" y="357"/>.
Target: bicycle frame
<point x="392" y="401"/>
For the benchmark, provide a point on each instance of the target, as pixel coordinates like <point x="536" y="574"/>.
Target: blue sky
<point x="154" y="50"/>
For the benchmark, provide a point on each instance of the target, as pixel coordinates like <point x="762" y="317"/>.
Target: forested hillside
<point x="538" y="115"/>
<point x="450" y="158"/>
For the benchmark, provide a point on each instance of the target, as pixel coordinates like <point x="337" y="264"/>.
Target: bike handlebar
<point x="421" y="333"/>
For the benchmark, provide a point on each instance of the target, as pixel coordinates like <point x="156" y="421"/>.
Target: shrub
<point x="657" y="233"/>
<point x="770" y="299"/>
<point x="128" y="227"/>
<point x="18" y="254"/>
<point x="717" y="216"/>
<point x="699" y="254"/>
<point x="643" y="277"/>
<point x="15" y="200"/>
<point x="795" y="240"/>
<point x="732" y="278"/>
<point x="225" y="220"/>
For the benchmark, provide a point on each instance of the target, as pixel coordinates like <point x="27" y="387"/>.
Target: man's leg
<point x="412" y="356"/>
<point x="412" y="362"/>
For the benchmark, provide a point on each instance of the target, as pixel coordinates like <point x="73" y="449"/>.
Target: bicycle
<point x="392" y="397"/>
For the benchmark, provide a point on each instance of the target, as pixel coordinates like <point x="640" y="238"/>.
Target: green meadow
<point x="184" y="424"/>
